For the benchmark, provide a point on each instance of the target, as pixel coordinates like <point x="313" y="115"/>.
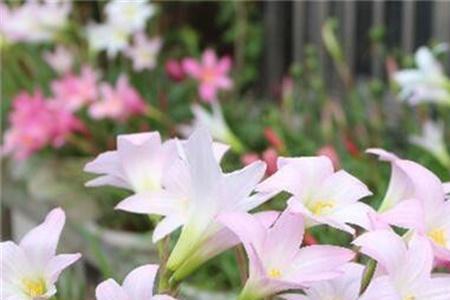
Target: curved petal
<point x="139" y="283"/>
<point x="40" y="249"/>
<point x="357" y="214"/>
<point x="110" y="290"/>
<point x="159" y="203"/>
<point x="167" y="226"/>
<point x="58" y="263"/>
<point x="381" y="288"/>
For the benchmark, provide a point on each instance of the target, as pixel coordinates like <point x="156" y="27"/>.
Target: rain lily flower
<point x="129" y="15"/>
<point x="276" y="261"/>
<point x="119" y="102"/>
<point x="415" y="199"/>
<point x="406" y="268"/>
<point x="427" y="83"/>
<point x="195" y="192"/>
<point x="216" y="124"/>
<point x="138" y="285"/>
<point x="36" y="123"/>
<point x="345" y="286"/>
<point x="34" y="21"/>
<point x="322" y="195"/>
<point x="74" y="92"/>
<point x="144" y="52"/>
<point x="108" y="36"/>
<point x="211" y="73"/>
<point x="31" y="268"/>
<point x="432" y="140"/>
<point x="61" y="60"/>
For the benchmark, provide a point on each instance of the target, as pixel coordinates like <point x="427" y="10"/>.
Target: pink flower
<point x="138" y="285"/>
<point x="119" y="102"/>
<point x="404" y="269"/>
<point x="36" y="123"/>
<point x="144" y="52"/>
<point x="415" y="199"/>
<point x="276" y="263"/>
<point x="211" y="73"/>
<point x="61" y="60"/>
<point x="31" y="268"/>
<point x="322" y="195"/>
<point x="175" y="70"/>
<point x="73" y="91"/>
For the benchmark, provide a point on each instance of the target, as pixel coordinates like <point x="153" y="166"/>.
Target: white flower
<point x="426" y="83"/>
<point x="108" y="36"/>
<point x="432" y="140"/>
<point x="130" y="16"/>
<point x="61" y="59"/>
<point x="144" y="51"/>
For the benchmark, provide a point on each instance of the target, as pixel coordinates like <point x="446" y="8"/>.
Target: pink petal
<point x="406" y="214"/>
<point x="159" y="203"/>
<point x="108" y="180"/>
<point x="209" y="58"/>
<point x="207" y="92"/>
<point x="43" y="249"/>
<point x="167" y="226"/>
<point x="381" y="288"/>
<point x="139" y="283"/>
<point x="58" y="263"/>
<point x="191" y="67"/>
<point x="384" y="246"/>
<point x="383" y="154"/>
<point x="224" y="65"/>
<point x="110" y="290"/>
<point x="438" y="288"/>
<point x="356" y="214"/>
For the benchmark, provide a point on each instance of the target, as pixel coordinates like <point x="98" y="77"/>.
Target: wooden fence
<point x="291" y="25"/>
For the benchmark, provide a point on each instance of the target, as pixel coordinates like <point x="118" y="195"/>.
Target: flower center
<point x="34" y="288"/>
<point x="409" y="298"/>
<point x="438" y="236"/>
<point x="208" y="75"/>
<point x="321" y="207"/>
<point x="274" y="273"/>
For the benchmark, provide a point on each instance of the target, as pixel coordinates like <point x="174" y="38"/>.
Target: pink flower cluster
<point x="36" y="122"/>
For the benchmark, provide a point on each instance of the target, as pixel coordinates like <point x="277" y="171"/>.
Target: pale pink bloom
<point x="322" y="195"/>
<point x="36" y="123"/>
<point x="138" y="285"/>
<point x="343" y="287"/>
<point x="404" y="269"/>
<point x="34" y="21"/>
<point x="31" y="268"/>
<point x="119" y="102"/>
<point x="276" y="261"/>
<point x="211" y="73"/>
<point x="75" y="91"/>
<point x="415" y="199"/>
<point x="144" y="52"/>
<point x="107" y="36"/>
<point x="61" y="59"/>
<point x="195" y="191"/>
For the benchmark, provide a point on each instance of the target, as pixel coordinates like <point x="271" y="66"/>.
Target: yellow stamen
<point x="409" y="298"/>
<point x="34" y="288"/>
<point x="274" y="273"/>
<point x="321" y="207"/>
<point x="438" y="236"/>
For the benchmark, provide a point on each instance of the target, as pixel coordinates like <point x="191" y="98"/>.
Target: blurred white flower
<point x="107" y="36"/>
<point x="61" y="59"/>
<point x="130" y="16"/>
<point x="427" y="83"/>
<point x="432" y="140"/>
<point x="215" y="123"/>
<point x="34" y="21"/>
<point x="144" y="51"/>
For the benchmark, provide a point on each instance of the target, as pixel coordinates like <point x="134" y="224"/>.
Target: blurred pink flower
<point x="144" y="51"/>
<point x="61" y="59"/>
<point x="36" y="123"/>
<point x="175" y="70"/>
<point x="270" y="157"/>
<point x="31" y="268"/>
<point x="119" y="102"/>
<point x="74" y="92"/>
<point x="212" y="74"/>
<point x="276" y="261"/>
<point x="138" y="285"/>
<point x="330" y="152"/>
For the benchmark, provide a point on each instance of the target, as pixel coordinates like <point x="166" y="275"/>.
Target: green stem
<point x="368" y="275"/>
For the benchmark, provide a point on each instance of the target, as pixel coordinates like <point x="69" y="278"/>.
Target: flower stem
<point x="368" y="275"/>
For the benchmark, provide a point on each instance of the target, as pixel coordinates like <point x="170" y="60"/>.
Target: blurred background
<point x="276" y="78"/>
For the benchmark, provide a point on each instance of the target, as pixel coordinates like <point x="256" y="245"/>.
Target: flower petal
<point x="110" y="290"/>
<point x="139" y="283"/>
<point x="167" y="226"/>
<point x="58" y="263"/>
